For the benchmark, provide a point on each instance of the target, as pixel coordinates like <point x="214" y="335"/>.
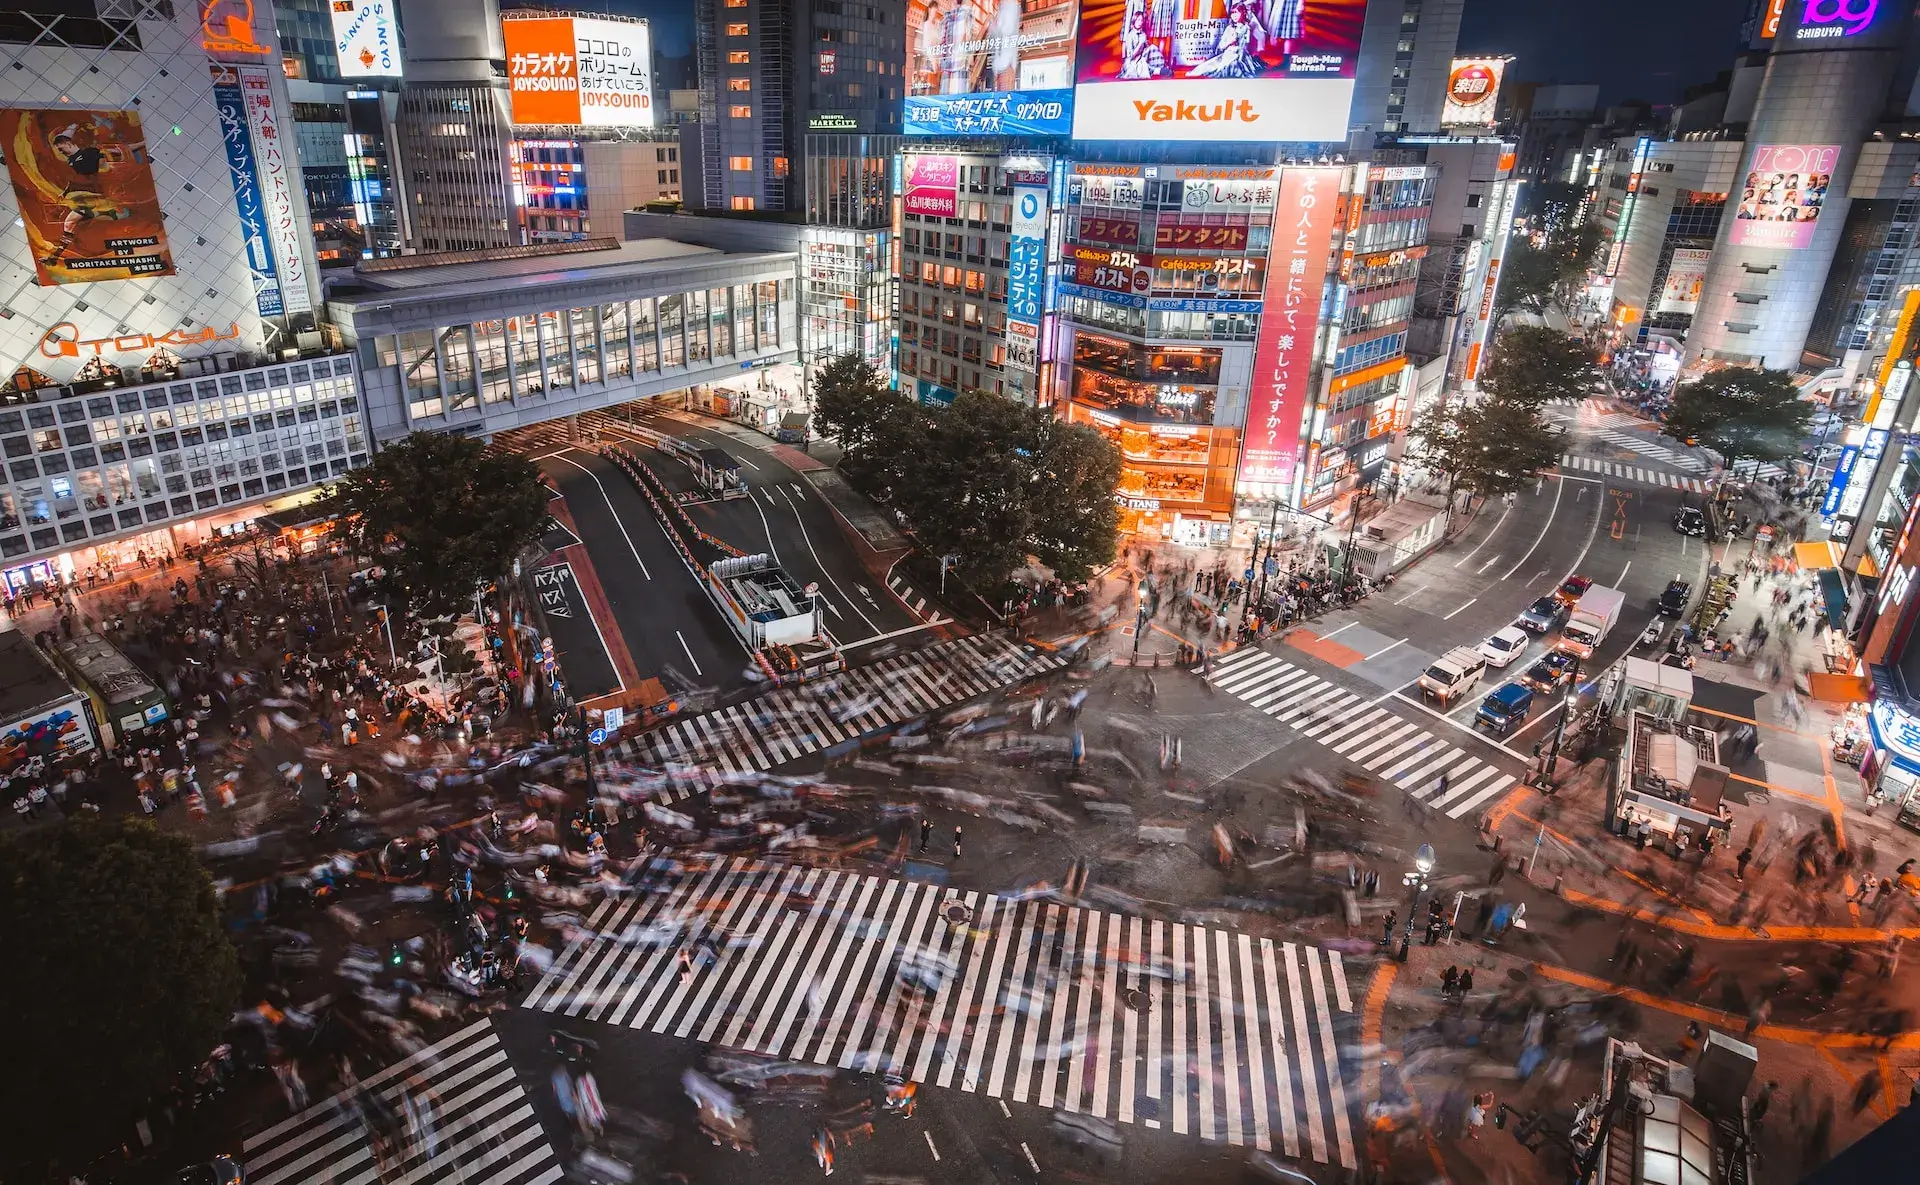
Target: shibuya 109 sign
<point x="1303" y="222"/>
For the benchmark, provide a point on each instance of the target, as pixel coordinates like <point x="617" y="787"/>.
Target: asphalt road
<point x="669" y="625"/>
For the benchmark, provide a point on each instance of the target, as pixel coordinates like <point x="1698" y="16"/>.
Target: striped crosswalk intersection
<point x="1399" y="751"/>
<point x="1202" y="1031"/>
<point x="460" y="1116"/>
<point x="766" y="732"/>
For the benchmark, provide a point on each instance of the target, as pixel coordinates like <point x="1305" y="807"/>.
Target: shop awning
<point x="1813" y="556"/>
<point x="1834" y="594"/>
<point x="1869" y="568"/>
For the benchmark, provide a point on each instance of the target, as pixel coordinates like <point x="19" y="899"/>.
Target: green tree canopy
<point x="1741" y="412"/>
<point x="1537" y="364"/>
<point x="986" y="480"/>
<point x="1535" y="277"/>
<point x="1489" y="446"/>
<point x="849" y="400"/>
<point x="442" y="514"/>
<point x="128" y="980"/>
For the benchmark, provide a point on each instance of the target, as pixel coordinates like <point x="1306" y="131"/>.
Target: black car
<point x="1545" y="614"/>
<point x="1688" y="520"/>
<point x="1673" y="601"/>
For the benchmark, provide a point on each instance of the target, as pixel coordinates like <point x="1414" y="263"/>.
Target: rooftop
<point x="28" y="682"/>
<point x="468" y="270"/>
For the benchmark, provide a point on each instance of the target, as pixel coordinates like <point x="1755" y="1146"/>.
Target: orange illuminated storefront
<point x="1157" y="407"/>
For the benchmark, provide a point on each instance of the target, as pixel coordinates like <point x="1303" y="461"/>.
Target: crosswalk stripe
<point x="1397" y="750"/>
<point x="787" y="724"/>
<point x="483" y="1125"/>
<point x="1026" y="1000"/>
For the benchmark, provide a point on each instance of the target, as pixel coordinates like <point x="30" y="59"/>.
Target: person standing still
<point x="926" y="833"/>
<point x="956" y="842"/>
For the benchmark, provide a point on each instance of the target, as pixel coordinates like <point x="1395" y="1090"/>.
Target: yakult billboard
<point x="579" y="71"/>
<point x="1216" y="70"/>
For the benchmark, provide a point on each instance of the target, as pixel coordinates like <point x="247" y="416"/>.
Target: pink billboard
<point x="1780" y="199"/>
<point x="1303" y="220"/>
<point x="933" y="186"/>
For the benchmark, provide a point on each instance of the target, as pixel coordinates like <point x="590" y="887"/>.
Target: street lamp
<point x="1416" y="882"/>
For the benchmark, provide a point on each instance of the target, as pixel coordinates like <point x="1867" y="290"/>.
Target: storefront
<point x="1891" y="767"/>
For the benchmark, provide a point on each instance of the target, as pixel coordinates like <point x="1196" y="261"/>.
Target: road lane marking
<point x="1490" y="534"/>
<point x="1462" y="605"/>
<point x="610" y="510"/>
<point x="1330" y="633"/>
<point x="824" y="570"/>
<point x="1384" y="649"/>
<point x="1490" y="562"/>
<point x="688" y="650"/>
<point x="1544" y="528"/>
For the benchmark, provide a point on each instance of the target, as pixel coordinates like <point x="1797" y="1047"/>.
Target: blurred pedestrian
<point x="956" y="842"/>
<point x="926" y="833"/>
<point x="1741" y="861"/>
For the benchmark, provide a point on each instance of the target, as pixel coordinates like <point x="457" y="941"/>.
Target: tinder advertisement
<point x="1216" y="70"/>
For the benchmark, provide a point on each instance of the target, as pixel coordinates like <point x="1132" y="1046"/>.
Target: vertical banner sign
<point x="232" y="108"/>
<point x="276" y="188"/>
<point x="1026" y="259"/>
<point x="1303" y="224"/>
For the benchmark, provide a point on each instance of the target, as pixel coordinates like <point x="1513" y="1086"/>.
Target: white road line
<point x="610" y="510"/>
<point x="930" y="1147"/>
<point x="1544" y="528"/>
<point x="824" y="570"/>
<point x="688" y="651"/>
<point x="1384" y="649"/>
<point x="1456" y="724"/>
<point x="1490" y="534"/>
<point x="1457" y="609"/>
<point x="1330" y="633"/>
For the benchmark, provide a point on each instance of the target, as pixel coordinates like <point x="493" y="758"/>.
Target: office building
<point x="1659" y="205"/>
<point x="565" y="183"/>
<point x="1406" y="54"/>
<point x="1474" y="198"/>
<point x="455" y="127"/>
<point x="1550" y="129"/>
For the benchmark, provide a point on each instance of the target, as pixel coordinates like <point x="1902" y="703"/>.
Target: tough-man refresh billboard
<point x="1216" y="70"/>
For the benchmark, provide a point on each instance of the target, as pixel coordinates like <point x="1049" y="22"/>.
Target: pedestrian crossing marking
<point x="915" y="600"/>
<point x="792" y="722"/>
<point x="1024" y="999"/>
<point x="1652" y="477"/>
<point x="1397" y="750"/>
<point x="483" y="1127"/>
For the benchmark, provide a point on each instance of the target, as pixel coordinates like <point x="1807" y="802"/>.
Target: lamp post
<point x="1416" y="882"/>
<point x="1361" y="494"/>
<point x="1560" y="725"/>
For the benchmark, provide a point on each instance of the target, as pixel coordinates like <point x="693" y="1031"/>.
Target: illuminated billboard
<point x="366" y="38"/>
<point x="933" y="186"/>
<point x="84" y="183"/>
<point x="1473" y="90"/>
<point x="1780" y="200"/>
<point x="579" y="72"/>
<point x="1686" y="273"/>
<point x="1216" y="70"/>
<point x="1303" y="223"/>
<point x="976" y="68"/>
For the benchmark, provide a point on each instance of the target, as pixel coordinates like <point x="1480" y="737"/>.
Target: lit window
<point x="740" y="164"/>
<point x="739" y="84"/>
<point x="740" y="111"/>
<point x="779" y="166"/>
<point x="736" y="3"/>
<point x="739" y="57"/>
<point x="743" y="203"/>
<point x="738" y="29"/>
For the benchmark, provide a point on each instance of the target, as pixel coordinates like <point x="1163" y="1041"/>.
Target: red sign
<point x="1304" y="218"/>
<point x="1177" y="237"/>
<point x="1111" y="278"/>
<point x="1117" y="232"/>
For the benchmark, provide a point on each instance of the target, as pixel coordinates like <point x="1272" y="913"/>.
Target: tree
<point x="1076" y="522"/>
<point x="1488" y="447"/>
<point x="850" y="399"/>
<point x="1550" y="274"/>
<point x="128" y="980"/>
<point x="1538" y="364"/>
<point x="443" y="514"/>
<point x="1741" y="412"/>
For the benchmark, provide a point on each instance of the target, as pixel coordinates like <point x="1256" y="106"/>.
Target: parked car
<point x="1545" y="614"/>
<point x="1673" y="599"/>
<point x="1503" y="646"/>
<point x="1572" y="589"/>
<point x="1688" y="520"/>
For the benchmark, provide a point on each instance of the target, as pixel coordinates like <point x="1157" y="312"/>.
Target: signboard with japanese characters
<point x="1236" y="197"/>
<point x="1303" y="223"/>
<point x="1180" y="236"/>
<point x="1117" y="232"/>
<point x="276" y="188"/>
<point x="1026" y="273"/>
<point x="579" y="71"/>
<point x="231" y="106"/>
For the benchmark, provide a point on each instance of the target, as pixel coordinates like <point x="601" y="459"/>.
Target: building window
<point x="739" y="57"/>
<point x="738" y="29"/>
<point x="739" y="84"/>
<point x="736" y="3"/>
<point x="737" y="111"/>
<point x="743" y="203"/>
<point x="779" y="166"/>
<point x="740" y="164"/>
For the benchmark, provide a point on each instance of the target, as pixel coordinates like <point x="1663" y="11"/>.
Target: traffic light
<point x="395" y="955"/>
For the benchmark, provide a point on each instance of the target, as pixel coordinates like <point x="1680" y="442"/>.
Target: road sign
<point x="614" y="718"/>
<point x="598" y="736"/>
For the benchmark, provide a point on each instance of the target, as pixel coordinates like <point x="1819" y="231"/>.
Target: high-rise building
<point x="1550" y="128"/>
<point x="169" y="380"/>
<point x="772" y="73"/>
<point x="1659" y="205"/>
<point x="1406" y="55"/>
<point x="343" y="112"/>
<point x="455" y="126"/>
<point x="1829" y="79"/>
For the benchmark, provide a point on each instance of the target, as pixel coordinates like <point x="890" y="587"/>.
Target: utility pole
<point x="1361" y="494"/>
<point x="1273" y="532"/>
<point x="1560" y="725"/>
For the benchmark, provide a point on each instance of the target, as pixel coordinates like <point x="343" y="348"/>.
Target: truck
<point x="1592" y="619"/>
<point x="1453" y="674"/>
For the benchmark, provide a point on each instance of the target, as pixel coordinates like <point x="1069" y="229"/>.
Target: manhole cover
<point x="955" y="913"/>
<point x="1137" y="1000"/>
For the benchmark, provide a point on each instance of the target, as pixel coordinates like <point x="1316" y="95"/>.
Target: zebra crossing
<point x="469" y="1120"/>
<point x="787" y="724"/>
<point x="915" y="600"/>
<point x="1399" y="751"/>
<point x="1197" y="1030"/>
<point x="1652" y="477"/>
